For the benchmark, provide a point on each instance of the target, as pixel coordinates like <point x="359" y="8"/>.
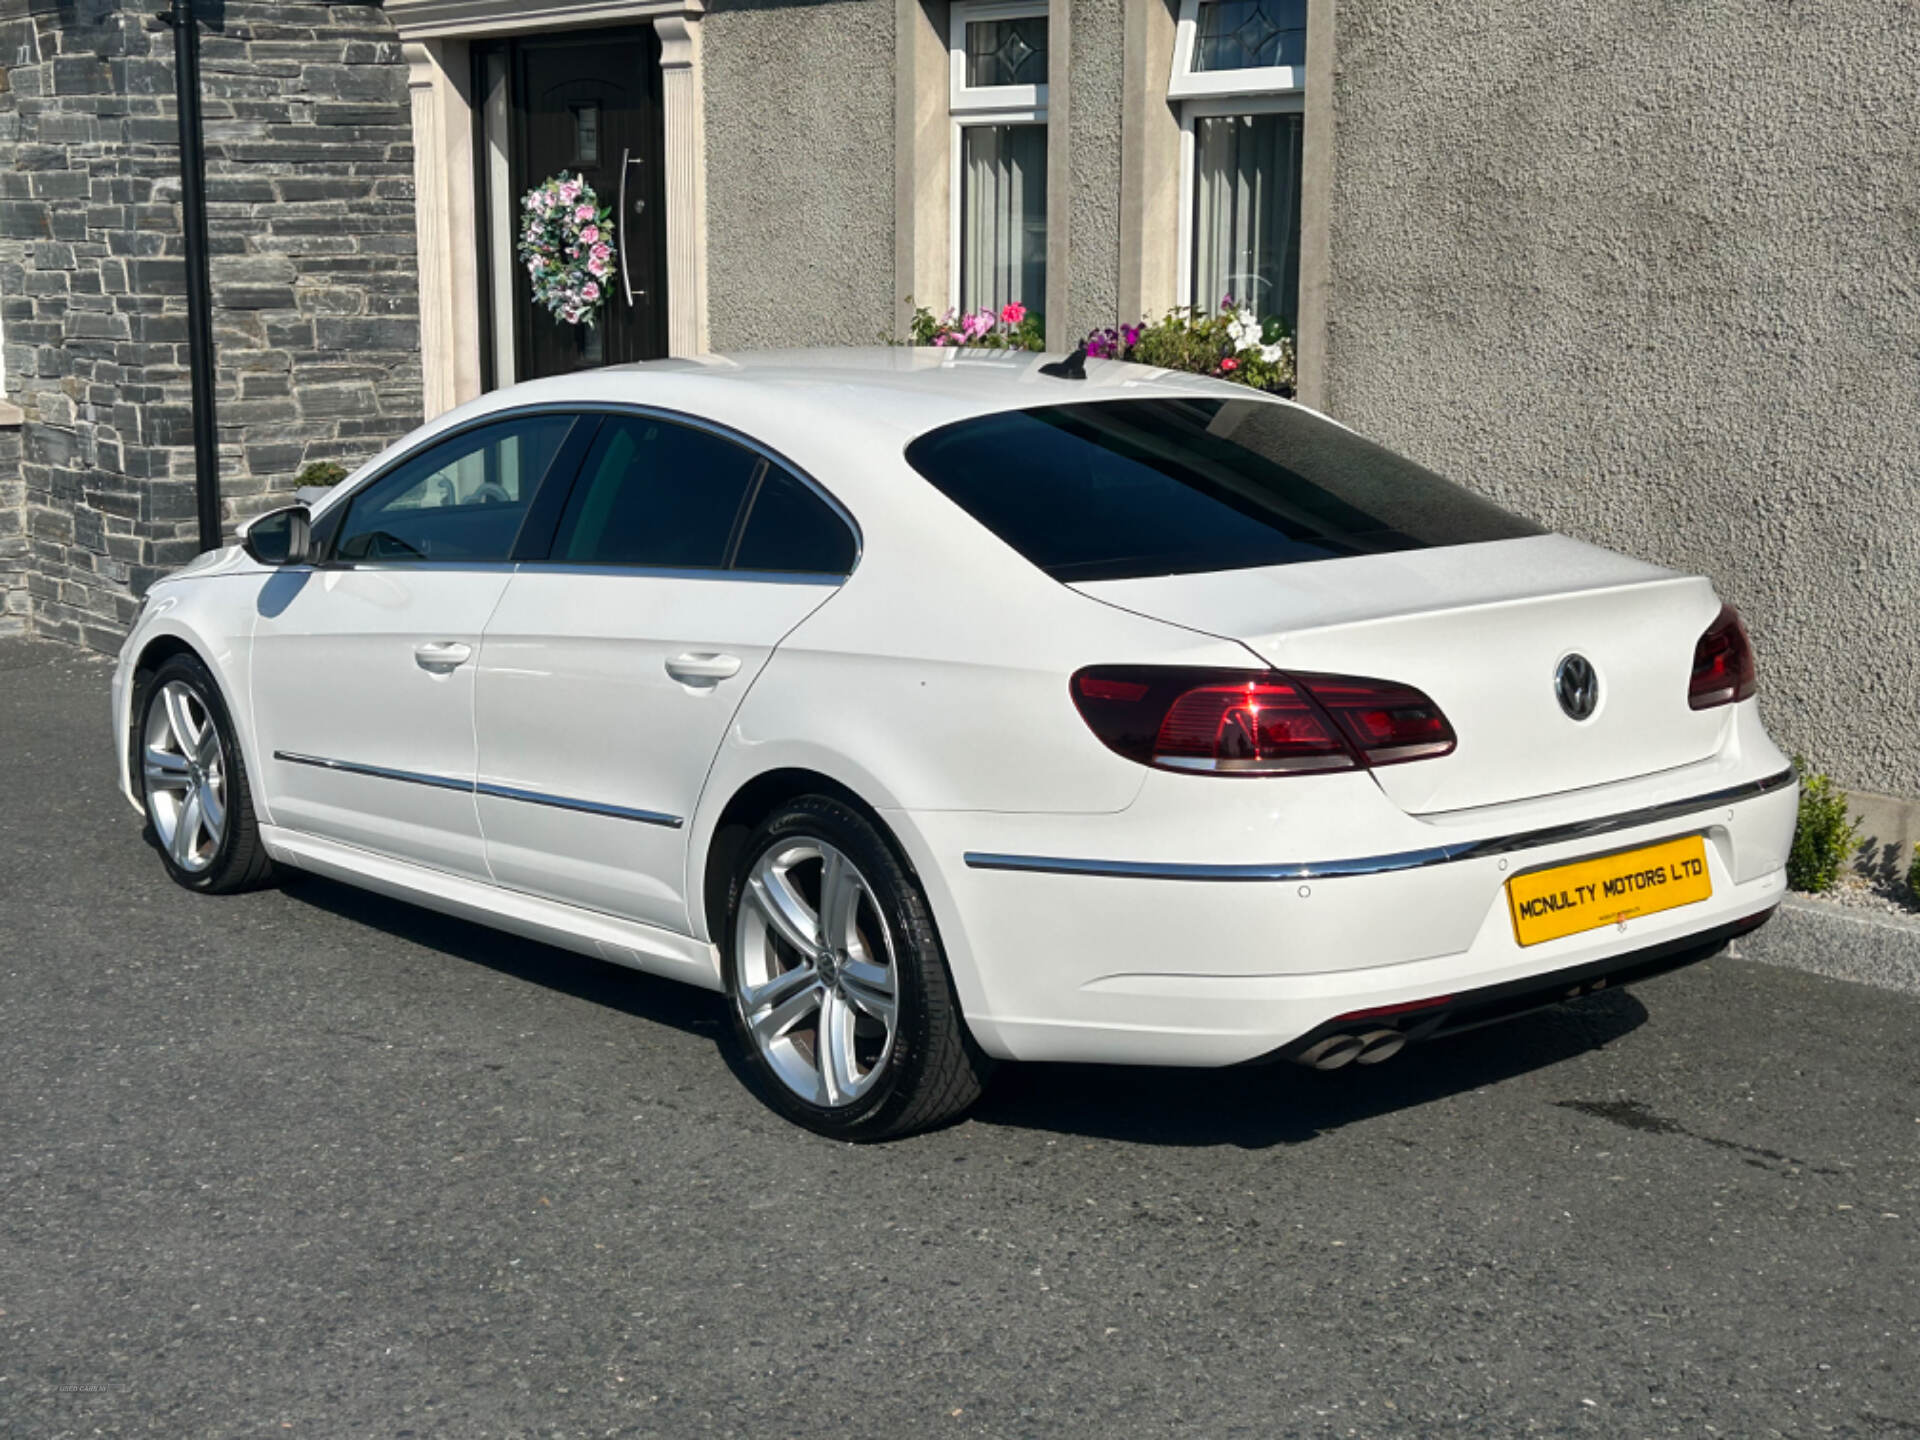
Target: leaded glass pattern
<point x="1250" y="34"/>
<point x="1007" y="52"/>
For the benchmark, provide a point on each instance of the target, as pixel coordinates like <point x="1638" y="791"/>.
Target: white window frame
<point x="981" y="105"/>
<point x="1265" y="90"/>
<point x="1190" y="84"/>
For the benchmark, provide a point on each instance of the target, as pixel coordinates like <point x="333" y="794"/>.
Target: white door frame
<point x="436" y="35"/>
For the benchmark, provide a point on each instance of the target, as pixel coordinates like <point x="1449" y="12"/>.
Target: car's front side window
<point x="462" y="500"/>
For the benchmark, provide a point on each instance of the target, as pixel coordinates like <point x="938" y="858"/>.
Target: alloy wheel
<point x="817" y="980"/>
<point x="186" y="777"/>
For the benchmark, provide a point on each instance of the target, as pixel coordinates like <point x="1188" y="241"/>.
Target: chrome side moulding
<point x="376" y="772"/>
<point x="472" y="787"/>
<point x="1384" y="864"/>
<point x="586" y="807"/>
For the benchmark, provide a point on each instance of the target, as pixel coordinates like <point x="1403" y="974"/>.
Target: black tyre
<point x="841" y="997"/>
<point x="193" y="781"/>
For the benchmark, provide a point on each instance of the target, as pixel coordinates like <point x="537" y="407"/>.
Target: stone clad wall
<point x="13" y="536"/>
<point x="309" y="184"/>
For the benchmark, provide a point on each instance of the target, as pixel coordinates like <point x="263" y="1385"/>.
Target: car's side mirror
<point x="280" y="537"/>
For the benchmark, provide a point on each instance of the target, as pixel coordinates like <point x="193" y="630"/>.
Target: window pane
<point x="1007" y="52"/>
<point x="1003" y="219"/>
<point x="1118" y="489"/>
<point x="792" y="529"/>
<point x="1250" y="34"/>
<point x="1246" y="213"/>
<point x="657" y="494"/>
<point x="460" y="500"/>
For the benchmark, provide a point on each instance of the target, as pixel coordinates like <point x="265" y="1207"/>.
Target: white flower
<point x="1273" y="354"/>
<point x="1245" y="331"/>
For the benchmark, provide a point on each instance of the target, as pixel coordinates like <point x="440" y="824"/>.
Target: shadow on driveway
<point x="1249" y="1106"/>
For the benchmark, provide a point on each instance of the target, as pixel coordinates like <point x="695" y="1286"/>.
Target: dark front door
<point x="588" y="103"/>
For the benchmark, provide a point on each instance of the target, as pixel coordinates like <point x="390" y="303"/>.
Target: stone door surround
<point x="436" y="35"/>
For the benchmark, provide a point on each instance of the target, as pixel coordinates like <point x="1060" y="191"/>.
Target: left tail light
<point x="1722" y="664"/>
<point x="1238" y="722"/>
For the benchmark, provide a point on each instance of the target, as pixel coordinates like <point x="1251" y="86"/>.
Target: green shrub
<point x="1913" y="874"/>
<point x="321" y="472"/>
<point x="1824" y="840"/>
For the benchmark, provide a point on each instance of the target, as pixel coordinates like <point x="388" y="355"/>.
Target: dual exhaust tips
<point x="1336" y="1051"/>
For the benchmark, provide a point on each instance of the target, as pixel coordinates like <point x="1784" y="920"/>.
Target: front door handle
<point x="703" y="669"/>
<point x="442" y="655"/>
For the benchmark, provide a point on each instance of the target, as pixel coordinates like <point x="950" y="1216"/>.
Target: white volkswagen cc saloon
<point x="945" y="706"/>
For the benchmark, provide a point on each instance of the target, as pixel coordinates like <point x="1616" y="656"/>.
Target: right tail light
<point x="1264" y="722"/>
<point x="1722" y="664"/>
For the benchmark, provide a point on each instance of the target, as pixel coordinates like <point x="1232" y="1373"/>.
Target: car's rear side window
<point x="791" y="529"/>
<point x="656" y="494"/>
<point x="1117" y="489"/>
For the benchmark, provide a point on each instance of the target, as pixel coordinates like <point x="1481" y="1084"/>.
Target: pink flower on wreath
<point x="583" y="212"/>
<point x="590" y="235"/>
<point x="590" y="292"/>
<point x="570" y="190"/>
<point x="602" y="250"/>
<point x="1014" y="313"/>
<point x="597" y="268"/>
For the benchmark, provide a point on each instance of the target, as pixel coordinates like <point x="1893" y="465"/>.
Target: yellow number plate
<point x="1590" y="893"/>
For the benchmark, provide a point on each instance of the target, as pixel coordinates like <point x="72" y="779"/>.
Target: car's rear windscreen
<point x="1117" y="489"/>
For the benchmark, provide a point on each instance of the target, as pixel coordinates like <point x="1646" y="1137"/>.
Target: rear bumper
<point x="1185" y="961"/>
<point x="1470" y="1009"/>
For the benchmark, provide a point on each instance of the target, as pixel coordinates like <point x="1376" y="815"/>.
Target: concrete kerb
<point x="1840" y="943"/>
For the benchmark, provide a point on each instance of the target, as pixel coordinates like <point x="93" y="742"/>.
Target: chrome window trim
<point x="601" y="407"/>
<point x="482" y="787"/>
<point x="1386" y="864"/>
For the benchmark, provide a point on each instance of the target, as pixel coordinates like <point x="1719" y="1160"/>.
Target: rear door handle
<point x="442" y="655"/>
<point x="703" y="669"/>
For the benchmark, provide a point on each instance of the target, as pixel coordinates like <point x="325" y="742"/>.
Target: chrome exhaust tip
<point x="1379" y="1045"/>
<point x="1333" y="1052"/>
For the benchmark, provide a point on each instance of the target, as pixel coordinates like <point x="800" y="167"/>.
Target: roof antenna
<point x="1074" y="367"/>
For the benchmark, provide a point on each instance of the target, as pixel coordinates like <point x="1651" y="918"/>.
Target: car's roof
<point x="905" y="389"/>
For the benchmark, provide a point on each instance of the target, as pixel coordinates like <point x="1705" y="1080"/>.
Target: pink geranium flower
<point x="1014" y="313"/>
<point x="1229" y="365"/>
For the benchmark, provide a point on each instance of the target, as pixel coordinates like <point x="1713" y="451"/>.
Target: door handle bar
<point x="693" y="669"/>
<point x="441" y="654"/>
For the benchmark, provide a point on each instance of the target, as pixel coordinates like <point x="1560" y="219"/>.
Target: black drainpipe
<point x="193" y="220"/>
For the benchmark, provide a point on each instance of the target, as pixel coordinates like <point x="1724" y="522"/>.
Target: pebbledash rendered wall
<point x="1651" y="274"/>
<point x="799" y="117"/>
<point x="309" y="185"/>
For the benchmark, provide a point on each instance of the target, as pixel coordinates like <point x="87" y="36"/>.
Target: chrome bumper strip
<point x="1383" y="864"/>
<point x="471" y="787"/>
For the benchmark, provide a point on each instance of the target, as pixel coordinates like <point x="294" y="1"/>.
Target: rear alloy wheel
<point x="841" y="997"/>
<point x="194" y="783"/>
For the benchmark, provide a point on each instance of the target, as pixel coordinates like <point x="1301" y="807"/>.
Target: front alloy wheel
<point x="186" y="774"/>
<point x="841" y="996"/>
<point x="193" y="781"/>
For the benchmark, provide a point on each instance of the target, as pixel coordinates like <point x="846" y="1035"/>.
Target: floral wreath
<point x="564" y="241"/>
